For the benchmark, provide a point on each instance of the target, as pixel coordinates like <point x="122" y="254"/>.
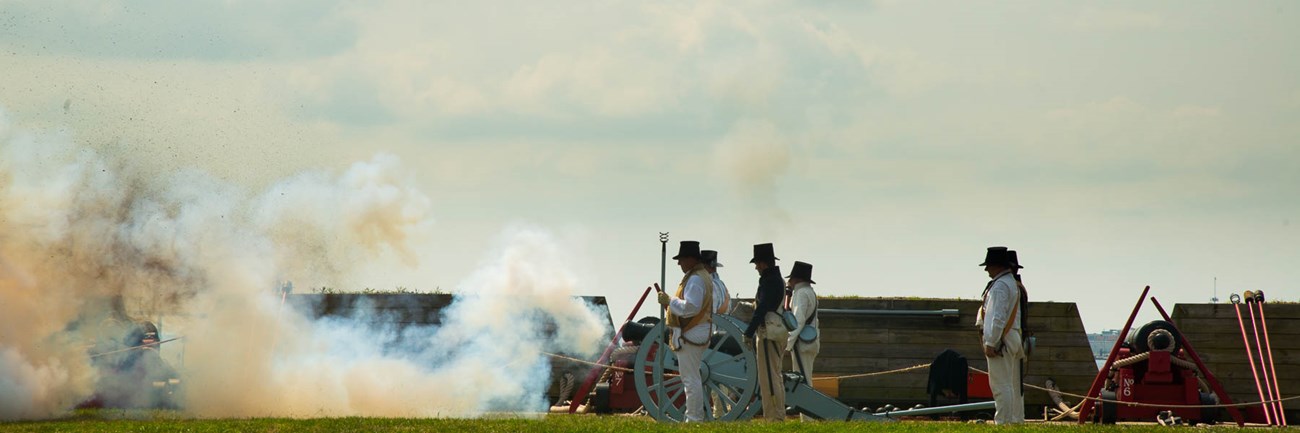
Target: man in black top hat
<point x="803" y="303"/>
<point x="771" y="290"/>
<point x="690" y="320"/>
<point x="721" y="299"/>
<point x="999" y="322"/>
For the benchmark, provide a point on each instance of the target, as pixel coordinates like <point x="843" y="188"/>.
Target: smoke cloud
<point x="754" y="156"/>
<point x="91" y="240"/>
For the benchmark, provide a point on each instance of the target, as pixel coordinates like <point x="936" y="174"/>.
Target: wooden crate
<point x="827" y="384"/>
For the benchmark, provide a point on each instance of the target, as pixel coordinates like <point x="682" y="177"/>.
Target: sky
<point x="1113" y="144"/>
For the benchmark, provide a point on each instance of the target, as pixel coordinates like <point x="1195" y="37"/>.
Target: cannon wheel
<point x="730" y="379"/>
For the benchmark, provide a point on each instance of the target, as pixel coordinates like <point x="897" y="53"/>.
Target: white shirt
<point x="689" y="307"/>
<point x="803" y="302"/>
<point x="996" y="311"/>
<point x="720" y="295"/>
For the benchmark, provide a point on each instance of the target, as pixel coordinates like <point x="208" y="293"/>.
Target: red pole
<point x="1214" y="382"/>
<point x="1259" y="348"/>
<point x="1095" y="390"/>
<point x="1245" y="341"/>
<point x="595" y="373"/>
<point x="1277" y="392"/>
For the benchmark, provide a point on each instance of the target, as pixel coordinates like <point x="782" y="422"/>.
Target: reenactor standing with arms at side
<point x="803" y="303"/>
<point x="767" y="301"/>
<point x="999" y="323"/>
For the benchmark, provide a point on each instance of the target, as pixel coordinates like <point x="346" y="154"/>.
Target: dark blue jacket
<point x="771" y="291"/>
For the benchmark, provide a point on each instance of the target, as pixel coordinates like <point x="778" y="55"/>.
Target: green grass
<point x="139" y="421"/>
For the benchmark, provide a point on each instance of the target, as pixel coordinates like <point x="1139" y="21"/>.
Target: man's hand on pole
<point x="664" y="298"/>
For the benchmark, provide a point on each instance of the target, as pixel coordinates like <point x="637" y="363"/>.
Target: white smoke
<point x="754" y="157"/>
<point x="89" y="237"/>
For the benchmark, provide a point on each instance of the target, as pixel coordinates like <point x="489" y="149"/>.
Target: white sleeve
<point x="719" y="294"/>
<point x="694" y="294"/>
<point x="996" y="313"/>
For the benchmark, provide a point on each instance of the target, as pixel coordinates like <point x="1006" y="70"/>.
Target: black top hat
<point x="764" y="252"/>
<point x="802" y="271"/>
<point x="710" y="258"/>
<point x="688" y="249"/>
<point x="997" y="256"/>
<point x="1015" y="261"/>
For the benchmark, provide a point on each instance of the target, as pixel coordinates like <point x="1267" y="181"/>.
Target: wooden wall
<point x="411" y="309"/>
<point x="853" y="344"/>
<point x="1214" y="333"/>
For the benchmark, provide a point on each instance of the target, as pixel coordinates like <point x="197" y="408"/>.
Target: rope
<point x="617" y="353"/>
<point x="1172" y="359"/>
<point x="878" y="373"/>
<point x="566" y="386"/>
<point x="591" y="363"/>
<point x="142" y="346"/>
<point x="1130" y="360"/>
<point x="1168" y="406"/>
<point x="628" y="370"/>
<point x="920" y="366"/>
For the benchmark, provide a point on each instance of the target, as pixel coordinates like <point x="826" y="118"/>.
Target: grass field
<point x="119" y="421"/>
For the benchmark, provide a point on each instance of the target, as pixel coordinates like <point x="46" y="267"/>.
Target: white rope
<point x="1168" y="406"/>
<point x="628" y="370"/>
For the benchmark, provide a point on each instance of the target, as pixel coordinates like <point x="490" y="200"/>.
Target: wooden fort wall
<point x="855" y="344"/>
<point x="418" y="309"/>
<point x="1214" y="332"/>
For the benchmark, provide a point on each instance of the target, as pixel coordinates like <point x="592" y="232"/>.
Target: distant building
<point x="1103" y="342"/>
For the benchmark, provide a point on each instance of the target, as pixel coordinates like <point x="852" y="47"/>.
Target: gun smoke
<point x="90" y="238"/>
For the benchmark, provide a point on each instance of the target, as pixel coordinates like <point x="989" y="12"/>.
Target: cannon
<point x="729" y="374"/>
<point x="1152" y="368"/>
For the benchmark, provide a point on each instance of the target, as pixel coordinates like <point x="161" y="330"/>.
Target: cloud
<point x="152" y="29"/>
<point x="753" y="158"/>
<point x="1114" y="19"/>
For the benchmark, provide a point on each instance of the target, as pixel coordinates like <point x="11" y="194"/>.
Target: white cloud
<point x="1112" y="19"/>
<point x="214" y="30"/>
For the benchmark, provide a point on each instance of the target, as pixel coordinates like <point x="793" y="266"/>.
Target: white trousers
<point x="807" y="355"/>
<point x="1004" y="381"/>
<point x="689" y="358"/>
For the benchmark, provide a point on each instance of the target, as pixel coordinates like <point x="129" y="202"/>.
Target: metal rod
<point x="940" y="409"/>
<point x="1281" y="412"/>
<point x="659" y="353"/>
<point x="663" y="260"/>
<point x="1245" y="341"/>
<point x="1263" y="368"/>
<point x="947" y="312"/>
